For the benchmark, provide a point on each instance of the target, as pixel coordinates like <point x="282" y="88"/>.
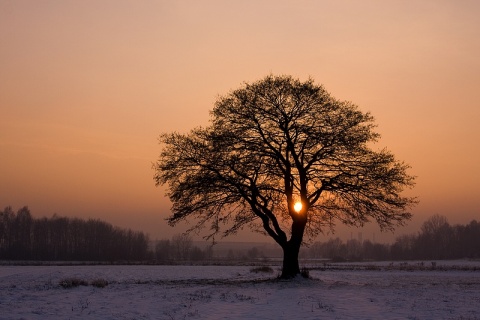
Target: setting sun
<point x="298" y="206"/>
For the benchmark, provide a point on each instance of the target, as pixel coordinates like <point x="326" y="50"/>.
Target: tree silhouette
<point x="271" y="144"/>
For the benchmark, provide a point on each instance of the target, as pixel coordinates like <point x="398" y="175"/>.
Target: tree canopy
<point x="276" y="142"/>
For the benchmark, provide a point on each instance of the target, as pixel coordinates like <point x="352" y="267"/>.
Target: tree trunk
<point x="291" y="267"/>
<point x="291" y="249"/>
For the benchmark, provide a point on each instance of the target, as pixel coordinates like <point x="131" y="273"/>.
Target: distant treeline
<point x="437" y="240"/>
<point x="23" y="237"/>
<point x="180" y="248"/>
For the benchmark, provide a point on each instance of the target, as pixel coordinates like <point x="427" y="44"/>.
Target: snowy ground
<point x="234" y="292"/>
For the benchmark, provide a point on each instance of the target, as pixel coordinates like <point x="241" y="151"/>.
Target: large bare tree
<point x="284" y="157"/>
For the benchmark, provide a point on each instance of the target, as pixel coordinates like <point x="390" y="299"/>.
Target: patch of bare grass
<point x="76" y="282"/>
<point x="72" y="283"/>
<point x="99" y="283"/>
<point x="263" y="269"/>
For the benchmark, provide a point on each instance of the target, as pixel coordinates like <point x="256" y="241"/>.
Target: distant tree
<point x="208" y="253"/>
<point x="42" y="240"/>
<point x="315" y="251"/>
<point x="354" y="249"/>
<point x="163" y="250"/>
<point x="435" y="238"/>
<point x="181" y="246"/>
<point x="470" y="240"/>
<point x="382" y="251"/>
<point x="23" y="237"/>
<point x="434" y="224"/>
<point x="196" y="254"/>
<point x="253" y="253"/>
<point x="7" y="218"/>
<point x="335" y="249"/>
<point x="404" y="247"/>
<point x="275" y="143"/>
<point x="367" y="250"/>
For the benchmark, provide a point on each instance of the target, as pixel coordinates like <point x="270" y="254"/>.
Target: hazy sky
<point x="86" y="87"/>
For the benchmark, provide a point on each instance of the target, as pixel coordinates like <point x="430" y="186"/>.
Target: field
<point x="441" y="290"/>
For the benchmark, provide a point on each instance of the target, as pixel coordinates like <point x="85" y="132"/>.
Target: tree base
<point x="291" y="267"/>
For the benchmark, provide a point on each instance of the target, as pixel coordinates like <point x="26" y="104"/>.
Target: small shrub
<point x="99" y="283"/>
<point x="264" y="269"/>
<point x="372" y="267"/>
<point x="72" y="283"/>
<point x="305" y="273"/>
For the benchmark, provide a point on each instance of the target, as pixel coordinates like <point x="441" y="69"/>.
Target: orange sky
<point x="86" y="87"/>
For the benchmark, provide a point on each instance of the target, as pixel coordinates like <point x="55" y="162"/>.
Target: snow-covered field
<point x="234" y="292"/>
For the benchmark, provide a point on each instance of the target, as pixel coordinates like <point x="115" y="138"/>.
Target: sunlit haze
<point x="297" y="206"/>
<point x="86" y="87"/>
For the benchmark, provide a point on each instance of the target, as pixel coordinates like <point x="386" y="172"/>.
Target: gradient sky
<point x="86" y="87"/>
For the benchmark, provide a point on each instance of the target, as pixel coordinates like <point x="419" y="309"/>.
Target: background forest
<point x="23" y="237"/>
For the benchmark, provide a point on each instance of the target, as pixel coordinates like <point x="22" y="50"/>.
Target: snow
<point x="234" y="292"/>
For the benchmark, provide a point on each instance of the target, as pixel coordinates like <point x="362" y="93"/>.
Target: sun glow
<point x="297" y="206"/>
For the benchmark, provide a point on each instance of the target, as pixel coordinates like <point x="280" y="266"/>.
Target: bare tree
<point x="7" y="231"/>
<point x="273" y="145"/>
<point x="436" y="238"/>
<point x="434" y="224"/>
<point x="181" y="245"/>
<point x="163" y="250"/>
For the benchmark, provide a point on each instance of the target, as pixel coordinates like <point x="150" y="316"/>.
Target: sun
<point x="297" y="206"/>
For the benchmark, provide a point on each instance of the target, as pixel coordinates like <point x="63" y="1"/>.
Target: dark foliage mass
<point x="23" y="237"/>
<point x="437" y="240"/>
